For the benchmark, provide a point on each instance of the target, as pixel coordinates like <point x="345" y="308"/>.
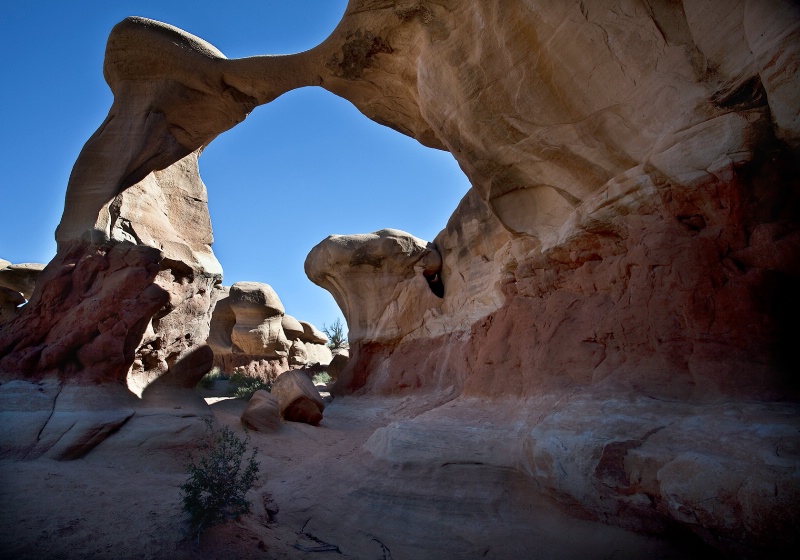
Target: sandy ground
<point x="321" y="495"/>
<point x="97" y="509"/>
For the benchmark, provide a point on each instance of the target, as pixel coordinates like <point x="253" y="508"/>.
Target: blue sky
<point x="307" y="165"/>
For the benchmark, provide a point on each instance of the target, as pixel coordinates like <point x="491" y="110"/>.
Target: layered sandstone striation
<point x="634" y="202"/>
<point x="604" y="325"/>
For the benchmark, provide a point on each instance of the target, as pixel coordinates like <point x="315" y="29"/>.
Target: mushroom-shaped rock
<point x="258" y="312"/>
<point x="262" y="412"/>
<point x="298" y="399"/>
<point x="381" y="281"/>
<point x="20" y="277"/>
<point x="312" y="334"/>
<point x="292" y="328"/>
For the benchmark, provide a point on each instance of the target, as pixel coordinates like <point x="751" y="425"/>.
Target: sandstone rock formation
<point x="596" y="189"/>
<point x="298" y="399"/>
<point x="251" y="334"/>
<point x="17" y="282"/>
<point x="604" y="323"/>
<point x="632" y="229"/>
<point x="20" y="277"/>
<point x="10" y="300"/>
<point x="381" y="281"/>
<point x="312" y="346"/>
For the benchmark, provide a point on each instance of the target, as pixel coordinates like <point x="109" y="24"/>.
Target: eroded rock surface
<point x="632" y="229"/>
<point x="604" y="323"/>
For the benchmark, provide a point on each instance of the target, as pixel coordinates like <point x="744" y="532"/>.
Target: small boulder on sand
<point x="262" y="412"/>
<point x="298" y="399"/>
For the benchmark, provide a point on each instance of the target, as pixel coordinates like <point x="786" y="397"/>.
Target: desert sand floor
<point x="328" y="499"/>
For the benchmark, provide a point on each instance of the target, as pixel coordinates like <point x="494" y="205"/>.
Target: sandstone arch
<point x="648" y="290"/>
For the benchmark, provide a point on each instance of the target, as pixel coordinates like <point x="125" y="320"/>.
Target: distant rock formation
<point x="17" y="282"/>
<point x="250" y="333"/>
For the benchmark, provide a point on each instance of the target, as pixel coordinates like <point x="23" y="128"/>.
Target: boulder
<point x="318" y="354"/>
<point x="298" y="399"/>
<point x="337" y="365"/>
<point x="262" y="412"/>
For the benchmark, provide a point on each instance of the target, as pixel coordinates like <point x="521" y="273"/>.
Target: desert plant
<point x="337" y="337"/>
<point x="216" y="486"/>
<point x="321" y="378"/>
<point x="208" y="380"/>
<point x="247" y="385"/>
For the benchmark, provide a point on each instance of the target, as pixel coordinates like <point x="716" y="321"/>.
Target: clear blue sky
<point x="307" y="165"/>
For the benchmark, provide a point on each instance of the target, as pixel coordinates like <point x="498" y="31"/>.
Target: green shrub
<point x="207" y="381"/>
<point x="246" y="385"/>
<point x="322" y="378"/>
<point x="215" y="488"/>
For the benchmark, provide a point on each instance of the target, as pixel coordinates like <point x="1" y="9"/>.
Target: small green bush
<point x="246" y="385"/>
<point x="207" y="381"/>
<point x="215" y="488"/>
<point x="322" y="378"/>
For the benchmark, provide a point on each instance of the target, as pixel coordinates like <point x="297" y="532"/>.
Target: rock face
<point x="632" y="230"/>
<point x="611" y="232"/>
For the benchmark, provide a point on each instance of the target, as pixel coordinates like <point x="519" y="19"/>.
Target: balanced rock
<point x="298" y="399"/>
<point x="262" y="412"/>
